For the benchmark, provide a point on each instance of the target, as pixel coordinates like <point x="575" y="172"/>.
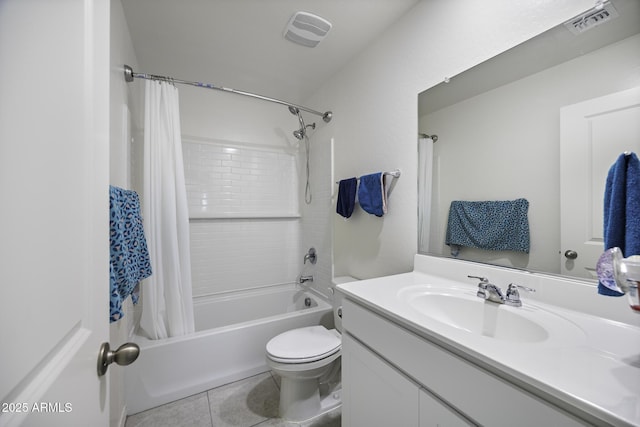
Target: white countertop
<point x="588" y="362"/>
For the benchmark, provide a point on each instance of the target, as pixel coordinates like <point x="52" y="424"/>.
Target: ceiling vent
<point x="603" y="12"/>
<point x="306" y="29"/>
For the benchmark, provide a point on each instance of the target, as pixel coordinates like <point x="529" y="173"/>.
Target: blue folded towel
<point x="622" y="210"/>
<point x="129" y="260"/>
<point x="346" y="197"/>
<point x="371" y="194"/>
<point x="491" y="225"/>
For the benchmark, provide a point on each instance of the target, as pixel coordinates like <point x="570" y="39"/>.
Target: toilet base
<point x="301" y="400"/>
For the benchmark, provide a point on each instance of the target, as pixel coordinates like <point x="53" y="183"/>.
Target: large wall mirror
<point x="543" y="121"/>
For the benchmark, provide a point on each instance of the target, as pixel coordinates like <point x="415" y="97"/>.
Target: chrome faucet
<point x="303" y="279"/>
<point x="311" y="256"/>
<point x="491" y="292"/>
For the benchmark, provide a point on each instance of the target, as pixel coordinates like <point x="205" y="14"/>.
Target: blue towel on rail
<point x="491" y="225"/>
<point x="371" y="194"/>
<point x="622" y="210"/>
<point x="129" y="260"/>
<point x="346" y="197"/>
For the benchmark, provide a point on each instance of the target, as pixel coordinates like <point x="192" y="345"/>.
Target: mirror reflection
<point x="542" y="122"/>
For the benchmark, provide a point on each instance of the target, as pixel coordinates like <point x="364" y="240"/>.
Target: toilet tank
<point x="337" y="299"/>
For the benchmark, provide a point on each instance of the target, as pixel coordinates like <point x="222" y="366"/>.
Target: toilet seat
<point x="304" y="345"/>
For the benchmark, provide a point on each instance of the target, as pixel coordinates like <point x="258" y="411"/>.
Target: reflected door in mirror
<point x="593" y="134"/>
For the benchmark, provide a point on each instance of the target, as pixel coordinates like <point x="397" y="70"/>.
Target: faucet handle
<point x="524" y="288"/>
<point x="311" y="256"/>
<point x="513" y="296"/>
<point x="482" y="286"/>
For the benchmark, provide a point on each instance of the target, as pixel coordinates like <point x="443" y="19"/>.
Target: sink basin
<point x="477" y="316"/>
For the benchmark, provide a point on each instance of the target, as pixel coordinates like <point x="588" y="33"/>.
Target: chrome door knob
<point x="126" y="354"/>
<point x="569" y="254"/>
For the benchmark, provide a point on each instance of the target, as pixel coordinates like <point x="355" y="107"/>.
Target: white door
<point x="54" y="247"/>
<point x="592" y="135"/>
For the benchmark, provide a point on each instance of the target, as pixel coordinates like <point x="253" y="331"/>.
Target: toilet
<point x="308" y="362"/>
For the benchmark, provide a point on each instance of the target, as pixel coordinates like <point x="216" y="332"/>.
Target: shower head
<point x="302" y="132"/>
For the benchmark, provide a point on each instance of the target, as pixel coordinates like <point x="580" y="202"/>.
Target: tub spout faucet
<point x="304" y="279"/>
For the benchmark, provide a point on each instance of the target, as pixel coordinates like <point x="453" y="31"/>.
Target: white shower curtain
<point x="425" y="179"/>
<point x="167" y="305"/>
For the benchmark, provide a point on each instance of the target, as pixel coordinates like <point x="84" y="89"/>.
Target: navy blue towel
<point x="129" y="260"/>
<point x="491" y="225"/>
<point x="346" y="196"/>
<point x="371" y="194"/>
<point x="622" y="210"/>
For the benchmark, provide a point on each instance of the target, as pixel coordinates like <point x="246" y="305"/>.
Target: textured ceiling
<point x="240" y="43"/>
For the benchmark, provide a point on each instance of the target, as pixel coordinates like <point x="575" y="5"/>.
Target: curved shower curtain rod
<point x="129" y="75"/>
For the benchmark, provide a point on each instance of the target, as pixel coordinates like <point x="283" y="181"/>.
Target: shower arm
<point x="129" y="75"/>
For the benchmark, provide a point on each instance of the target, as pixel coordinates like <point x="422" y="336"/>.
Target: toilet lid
<point x="304" y="344"/>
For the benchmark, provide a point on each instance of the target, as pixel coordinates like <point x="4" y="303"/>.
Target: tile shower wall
<point x="232" y="180"/>
<point x="244" y="209"/>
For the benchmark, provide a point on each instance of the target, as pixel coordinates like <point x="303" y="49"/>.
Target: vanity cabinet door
<point x="373" y="392"/>
<point x="472" y="390"/>
<point x="434" y="413"/>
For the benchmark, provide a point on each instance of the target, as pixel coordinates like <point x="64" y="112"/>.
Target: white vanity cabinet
<point x="377" y="394"/>
<point x="373" y="392"/>
<point x="434" y="413"/>
<point x="395" y="377"/>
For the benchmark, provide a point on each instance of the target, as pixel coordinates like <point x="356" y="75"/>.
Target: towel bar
<point x="394" y="173"/>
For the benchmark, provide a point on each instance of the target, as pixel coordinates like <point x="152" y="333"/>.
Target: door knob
<point x="571" y="254"/>
<point x="126" y="354"/>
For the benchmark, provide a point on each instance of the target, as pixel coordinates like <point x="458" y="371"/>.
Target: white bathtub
<point x="232" y="331"/>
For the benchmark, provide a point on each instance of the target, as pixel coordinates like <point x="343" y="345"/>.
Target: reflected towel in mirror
<point x="491" y="225"/>
<point x="622" y="210"/>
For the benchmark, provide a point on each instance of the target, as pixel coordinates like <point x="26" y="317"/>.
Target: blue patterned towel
<point x="346" y="197"/>
<point x="491" y="225"/>
<point x="129" y="262"/>
<point x="622" y="210"/>
<point x="371" y="194"/>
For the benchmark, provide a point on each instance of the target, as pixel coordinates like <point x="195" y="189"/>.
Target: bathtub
<point x="232" y="330"/>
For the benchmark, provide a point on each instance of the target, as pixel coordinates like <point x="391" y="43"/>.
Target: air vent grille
<point x="592" y="18"/>
<point x="307" y="29"/>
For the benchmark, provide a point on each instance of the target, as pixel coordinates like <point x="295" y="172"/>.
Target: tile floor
<point x="252" y="402"/>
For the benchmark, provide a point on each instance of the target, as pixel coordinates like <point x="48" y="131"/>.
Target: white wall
<point x="505" y="143"/>
<point x="374" y="100"/>
<point x="124" y="112"/>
